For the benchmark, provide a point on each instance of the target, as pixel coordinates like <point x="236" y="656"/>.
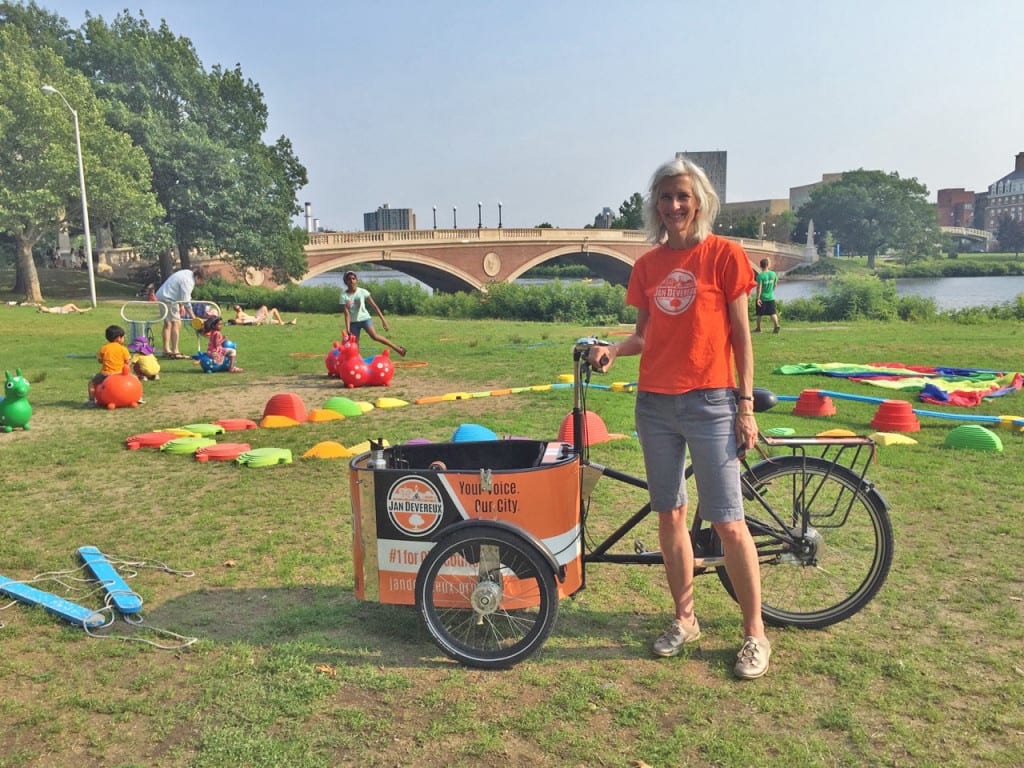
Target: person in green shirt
<point x="766" y="282"/>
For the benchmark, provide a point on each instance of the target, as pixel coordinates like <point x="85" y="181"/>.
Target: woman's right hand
<point x="601" y="357"/>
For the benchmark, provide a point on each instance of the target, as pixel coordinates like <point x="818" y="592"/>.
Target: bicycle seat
<point x="764" y="399"/>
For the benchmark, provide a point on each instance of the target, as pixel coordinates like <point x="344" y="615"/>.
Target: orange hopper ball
<point x="119" y="390"/>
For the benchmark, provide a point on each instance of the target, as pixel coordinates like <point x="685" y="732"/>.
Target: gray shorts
<point x="703" y="421"/>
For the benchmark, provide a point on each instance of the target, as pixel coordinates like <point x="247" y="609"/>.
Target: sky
<point x="558" y="109"/>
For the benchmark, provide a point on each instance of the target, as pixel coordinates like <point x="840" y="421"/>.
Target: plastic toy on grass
<point x="120" y="390"/>
<point x="15" y="410"/>
<point x="209" y="366"/>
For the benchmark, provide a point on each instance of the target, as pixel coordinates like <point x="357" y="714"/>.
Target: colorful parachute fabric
<point x="939" y="385"/>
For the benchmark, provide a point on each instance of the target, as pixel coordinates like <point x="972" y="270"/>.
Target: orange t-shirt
<point x="687" y="342"/>
<point x="113" y="357"/>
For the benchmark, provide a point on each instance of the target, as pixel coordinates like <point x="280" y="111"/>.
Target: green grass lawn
<point x="290" y="669"/>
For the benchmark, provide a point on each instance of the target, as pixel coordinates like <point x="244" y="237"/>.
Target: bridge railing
<point x="411" y="236"/>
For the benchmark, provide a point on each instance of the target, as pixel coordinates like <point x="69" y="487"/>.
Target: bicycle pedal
<point x="638" y="547"/>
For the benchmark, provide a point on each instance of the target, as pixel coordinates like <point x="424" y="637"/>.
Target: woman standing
<point x="693" y="338"/>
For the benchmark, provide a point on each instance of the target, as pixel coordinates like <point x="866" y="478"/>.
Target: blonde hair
<point x="707" y="199"/>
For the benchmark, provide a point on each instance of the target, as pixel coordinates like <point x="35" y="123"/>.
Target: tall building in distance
<point x="388" y="218"/>
<point x="714" y="165"/>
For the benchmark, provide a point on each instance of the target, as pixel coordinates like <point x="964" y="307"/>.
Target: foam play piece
<point x="895" y="416"/>
<point x="390" y="402"/>
<point x="540" y="388"/>
<point x="179" y="432"/>
<point x="343" y="405"/>
<point x="277" y="422"/>
<point x="149" y="440"/>
<point x="324" y="414"/>
<point x="593" y="428"/>
<point x="236" y="425"/>
<point x="466" y="433"/>
<point x="184" y="446"/>
<point x="457" y="396"/>
<point x="205" y="430"/>
<point x="124" y="599"/>
<point x="76" y="614"/>
<point x="892" y="438"/>
<point x="812" y="403"/>
<point x="286" y="404"/>
<point x="565" y="378"/>
<point x="265" y="457"/>
<point x="418" y="441"/>
<point x="363" y="447"/>
<point x="364" y="406"/>
<point x="328" y="449"/>
<point x="836" y="433"/>
<point x="780" y="431"/>
<point x="974" y="437"/>
<point x="222" y="452"/>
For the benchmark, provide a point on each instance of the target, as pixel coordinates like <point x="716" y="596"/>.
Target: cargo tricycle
<point x="484" y="538"/>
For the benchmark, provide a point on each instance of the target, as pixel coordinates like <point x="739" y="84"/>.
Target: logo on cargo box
<point x="415" y="506"/>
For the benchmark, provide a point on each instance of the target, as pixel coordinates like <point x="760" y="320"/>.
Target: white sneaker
<point x="752" y="660"/>
<point x="678" y="634"/>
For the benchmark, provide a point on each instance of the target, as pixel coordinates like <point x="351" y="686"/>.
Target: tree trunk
<point x="27" y="278"/>
<point x="166" y="264"/>
<point x="183" y="257"/>
<point x="871" y="261"/>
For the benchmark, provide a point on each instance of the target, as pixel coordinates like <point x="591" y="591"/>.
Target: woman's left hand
<point x="746" y="431"/>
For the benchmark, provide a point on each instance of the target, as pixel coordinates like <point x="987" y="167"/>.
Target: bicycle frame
<point x="783" y="537"/>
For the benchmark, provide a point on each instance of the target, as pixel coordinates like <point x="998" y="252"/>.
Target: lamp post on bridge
<point x="81" y="183"/>
<point x="455" y="220"/>
<point x="499" y="215"/>
<point x="479" y="215"/>
<point x="435" y="217"/>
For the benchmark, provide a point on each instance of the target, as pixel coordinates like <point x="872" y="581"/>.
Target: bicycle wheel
<point x="817" y="574"/>
<point x="486" y="596"/>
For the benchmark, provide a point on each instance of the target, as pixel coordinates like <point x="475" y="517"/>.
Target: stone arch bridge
<point x="452" y="260"/>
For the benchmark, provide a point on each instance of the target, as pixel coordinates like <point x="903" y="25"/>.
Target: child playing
<point x="144" y="362"/>
<point x="113" y="357"/>
<point x="357" y="317"/>
<point x="215" y="346"/>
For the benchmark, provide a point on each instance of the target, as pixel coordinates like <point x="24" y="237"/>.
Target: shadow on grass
<point x="347" y="630"/>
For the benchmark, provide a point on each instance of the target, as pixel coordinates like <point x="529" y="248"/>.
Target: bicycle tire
<point x="848" y="551"/>
<point x="486" y="596"/>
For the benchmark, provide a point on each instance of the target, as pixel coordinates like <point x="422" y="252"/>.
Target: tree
<point x="1011" y="234"/>
<point x="871" y="212"/>
<point x="39" y="183"/>
<point x="631" y="213"/>
<point x="224" y="190"/>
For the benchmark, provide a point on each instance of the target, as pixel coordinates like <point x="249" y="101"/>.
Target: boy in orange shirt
<point x="113" y="357"/>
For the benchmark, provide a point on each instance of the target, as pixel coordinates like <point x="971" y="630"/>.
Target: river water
<point x="948" y="292"/>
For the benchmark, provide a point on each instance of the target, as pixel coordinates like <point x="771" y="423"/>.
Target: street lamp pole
<point x="435" y="217"/>
<point x="499" y="215"/>
<point x="81" y="184"/>
<point x="479" y="215"/>
<point x="455" y="219"/>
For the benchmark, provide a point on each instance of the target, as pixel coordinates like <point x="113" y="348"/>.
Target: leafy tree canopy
<point x="1011" y="234"/>
<point x="631" y="213"/>
<point x="39" y="181"/>
<point x="871" y="212"/>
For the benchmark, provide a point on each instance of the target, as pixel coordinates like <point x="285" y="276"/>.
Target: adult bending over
<point x="176" y="296"/>
<point x="691" y="298"/>
<point x="354" y="302"/>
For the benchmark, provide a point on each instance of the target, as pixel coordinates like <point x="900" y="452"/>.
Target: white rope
<point x="126" y="569"/>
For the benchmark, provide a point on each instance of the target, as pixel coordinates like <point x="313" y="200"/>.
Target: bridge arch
<point x="430" y="271"/>
<point x="610" y="265"/>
